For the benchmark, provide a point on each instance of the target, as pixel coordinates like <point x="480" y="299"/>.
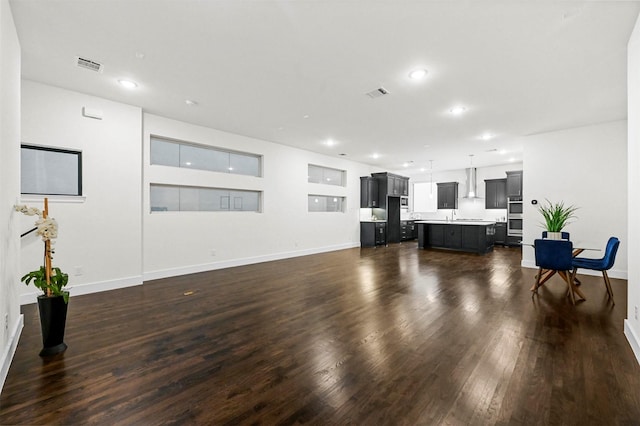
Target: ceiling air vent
<point x="380" y="91"/>
<point x="89" y="64"/>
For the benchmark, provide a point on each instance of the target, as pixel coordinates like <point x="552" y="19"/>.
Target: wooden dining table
<point x="578" y="247"/>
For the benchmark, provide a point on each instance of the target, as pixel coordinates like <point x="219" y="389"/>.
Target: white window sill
<point x="32" y="198"/>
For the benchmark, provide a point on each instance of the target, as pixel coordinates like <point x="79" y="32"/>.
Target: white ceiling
<point x="259" y="67"/>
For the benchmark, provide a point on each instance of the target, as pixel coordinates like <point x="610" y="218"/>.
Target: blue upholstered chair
<point x="603" y="264"/>
<point x="565" y="235"/>
<point x="555" y="255"/>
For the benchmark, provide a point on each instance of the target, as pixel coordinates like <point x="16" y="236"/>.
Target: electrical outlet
<point x="213" y="252"/>
<point x="78" y="270"/>
<point x="635" y="312"/>
<point x="6" y="321"/>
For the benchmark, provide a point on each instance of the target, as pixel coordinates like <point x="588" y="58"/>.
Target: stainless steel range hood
<point x="471" y="189"/>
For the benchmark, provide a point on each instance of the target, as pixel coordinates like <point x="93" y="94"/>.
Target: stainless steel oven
<point x="514" y="217"/>
<point x="514" y="207"/>
<point x="514" y="225"/>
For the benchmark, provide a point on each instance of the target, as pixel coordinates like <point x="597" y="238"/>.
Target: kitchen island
<point x="475" y="236"/>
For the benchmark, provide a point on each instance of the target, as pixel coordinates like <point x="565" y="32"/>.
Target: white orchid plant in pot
<point x="52" y="305"/>
<point x="51" y="280"/>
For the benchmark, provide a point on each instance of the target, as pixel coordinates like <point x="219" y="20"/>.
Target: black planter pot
<point x="53" y="318"/>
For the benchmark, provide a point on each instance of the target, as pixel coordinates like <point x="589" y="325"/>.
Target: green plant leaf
<point x="57" y="281"/>
<point x="556" y="216"/>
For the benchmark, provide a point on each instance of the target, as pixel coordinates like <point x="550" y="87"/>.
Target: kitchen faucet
<point x="453" y="213"/>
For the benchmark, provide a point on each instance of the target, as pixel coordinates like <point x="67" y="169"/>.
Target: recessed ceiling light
<point x="330" y="142"/>
<point x="422" y="169"/>
<point x="457" y="110"/>
<point x="305" y="116"/>
<point x="140" y="55"/>
<point x="486" y="136"/>
<point x="418" y="74"/>
<point x="375" y="155"/>
<point x="190" y="102"/>
<point x="427" y="146"/>
<point x="128" y="84"/>
<point x="512" y="159"/>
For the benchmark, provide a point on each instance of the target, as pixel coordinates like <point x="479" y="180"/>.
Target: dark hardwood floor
<point x="384" y="336"/>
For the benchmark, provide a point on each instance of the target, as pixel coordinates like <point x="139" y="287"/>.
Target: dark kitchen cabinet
<point x="448" y="195"/>
<point x="393" y="220"/>
<point x="390" y="185"/>
<point x="514" y="184"/>
<point x="373" y="234"/>
<point x="396" y="186"/>
<point x="469" y="238"/>
<point x="404" y="186"/>
<point x="369" y="192"/>
<point x="435" y="235"/>
<point x="501" y="233"/>
<point x="453" y="236"/>
<point x="495" y="194"/>
<point x="514" y="240"/>
<point x="408" y="230"/>
<point x="478" y="238"/>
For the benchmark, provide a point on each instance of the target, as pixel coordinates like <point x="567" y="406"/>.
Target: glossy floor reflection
<point x="391" y="335"/>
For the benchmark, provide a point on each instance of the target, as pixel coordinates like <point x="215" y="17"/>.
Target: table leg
<point x="569" y="278"/>
<point x="546" y="274"/>
<point x="574" y="254"/>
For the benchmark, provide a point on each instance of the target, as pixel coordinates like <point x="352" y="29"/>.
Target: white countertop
<point x="457" y="222"/>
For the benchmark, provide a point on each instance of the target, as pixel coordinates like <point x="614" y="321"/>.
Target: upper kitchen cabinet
<point x="369" y="192"/>
<point x="404" y="186"/>
<point x="496" y="194"/>
<point x="448" y="195"/>
<point x="390" y="185"/>
<point x="514" y="184"/>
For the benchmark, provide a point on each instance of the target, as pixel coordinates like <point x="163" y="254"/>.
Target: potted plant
<point x="556" y="217"/>
<point x="53" y="303"/>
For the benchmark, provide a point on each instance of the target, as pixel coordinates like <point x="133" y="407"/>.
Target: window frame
<point x="76" y="153"/>
<point x="342" y="201"/>
<point x="343" y="175"/>
<point x="228" y="200"/>
<point x="228" y="170"/>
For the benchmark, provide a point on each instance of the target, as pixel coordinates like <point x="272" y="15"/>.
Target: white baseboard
<point x="96" y="287"/>
<point x="88" y="288"/>
<point x="613" y="273"/>
<point x="193" y="269"/>
<point x="632" y="337"/>
<point x="10" y="350"/>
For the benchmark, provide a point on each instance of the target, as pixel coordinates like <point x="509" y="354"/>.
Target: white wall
<point x="585" y="167"/>
<point x="101" y="234"/>
<point x="181" y="242"/>
<point x="467" y="208"/>
<point x="10" y="318"/>
<point x="632" y="324"/>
